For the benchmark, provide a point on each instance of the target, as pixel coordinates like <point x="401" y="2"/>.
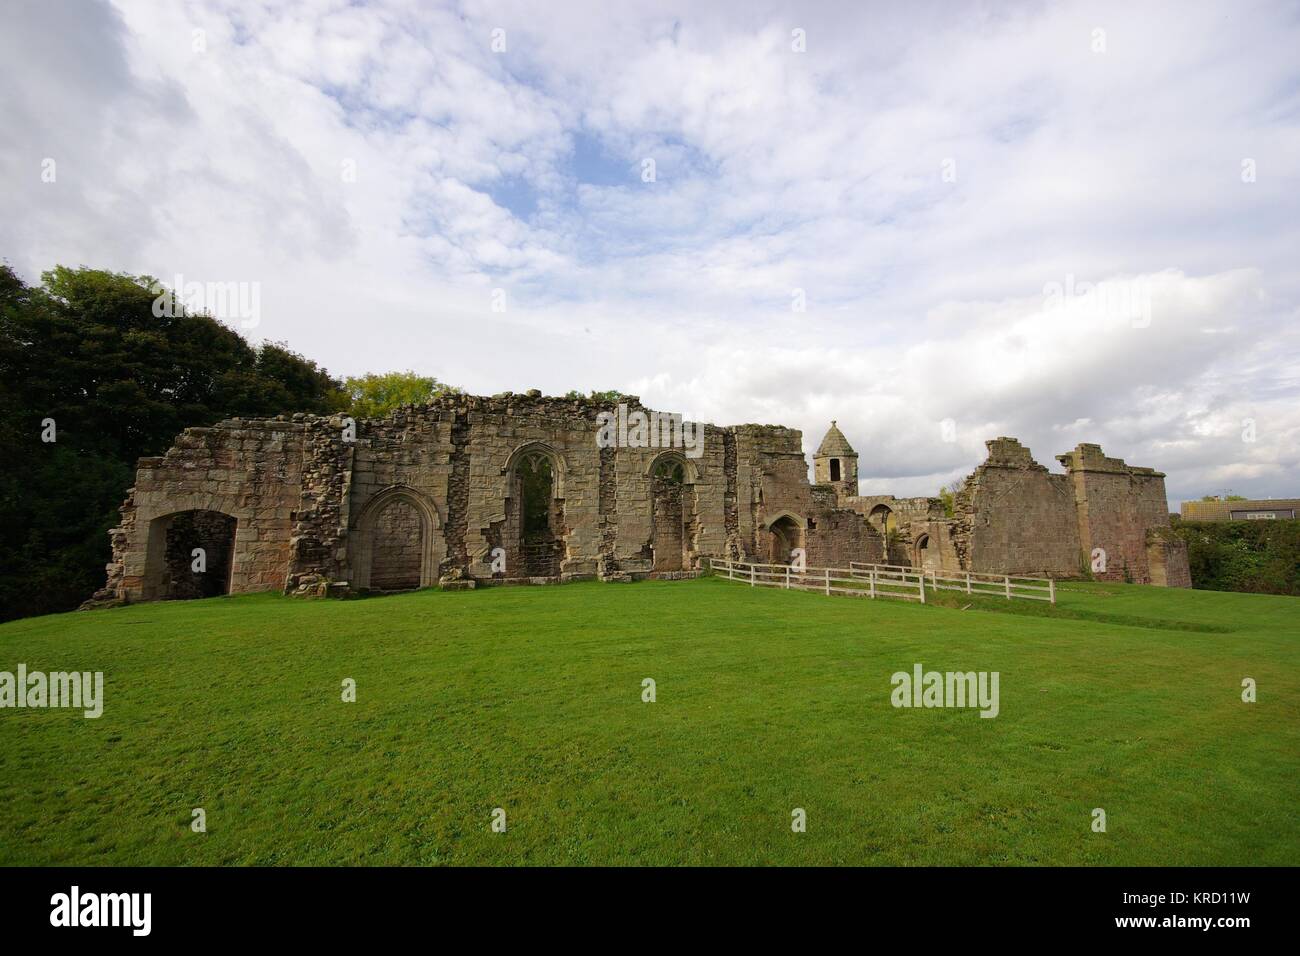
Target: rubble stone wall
<point x="432" y="495"/>
<point x="1015" y="517"/>
<point x="250" y="471"/>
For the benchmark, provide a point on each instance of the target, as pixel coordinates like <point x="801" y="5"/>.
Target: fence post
<point x="920" y="579"/>
<point x="751" y="574"/>
<point x="873" y="583"/>
<point x="1008" y="580"/>
<point x="787" y="577"/>
<point x="828" y="580"/>
<point x="1051" y="590"/>
<point x="968" y="582"/>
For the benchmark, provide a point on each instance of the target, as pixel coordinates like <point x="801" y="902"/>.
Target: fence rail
<point x="1009" y="586"/>
<point x="885" y="580"/>
<point x="907" y="586"/>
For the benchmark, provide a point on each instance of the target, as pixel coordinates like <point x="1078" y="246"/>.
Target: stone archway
<point x="882" y="518"/>
<point x="672" y="507"/>
<point x="923" y="555"/>
<point x="397" y="547"/>
<point x="189" y="554"/>
<point x="396" y="542"/>
<point x="784" y="534"/>
<point x="534" y="532"/>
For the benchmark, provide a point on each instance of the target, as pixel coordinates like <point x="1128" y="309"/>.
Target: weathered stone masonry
<point x="470" y="490"/>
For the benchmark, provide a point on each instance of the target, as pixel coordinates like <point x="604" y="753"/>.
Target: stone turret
<point x="836" y="464"/>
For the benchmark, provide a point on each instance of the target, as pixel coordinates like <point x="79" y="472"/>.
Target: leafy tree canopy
<point x="611" y="397"/>
<point x="85" y="350"/>
<point x="376" y="394"/>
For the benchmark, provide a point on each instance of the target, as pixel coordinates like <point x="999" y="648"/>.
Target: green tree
<point x="1257" y="556"/>
<point x="610" y="397"/>
<point x="948" y="495"/>
<point x="85" y="350"/>
<point x="376" y="394"/>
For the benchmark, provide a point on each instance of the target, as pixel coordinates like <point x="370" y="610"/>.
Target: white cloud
<point x="776" y="170"/>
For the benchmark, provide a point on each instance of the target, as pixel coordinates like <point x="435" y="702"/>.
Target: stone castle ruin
<point x="469" y="490"/>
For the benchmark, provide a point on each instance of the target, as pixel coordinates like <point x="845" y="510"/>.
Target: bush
<point x="1262" y="557"/>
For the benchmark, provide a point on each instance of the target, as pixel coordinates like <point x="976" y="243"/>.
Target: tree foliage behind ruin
<point x="85" y="350"/>
<point x="1257" y="556"/>
<point x="376" y="394"/>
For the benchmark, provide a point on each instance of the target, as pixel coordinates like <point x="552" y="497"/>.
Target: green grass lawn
<point x="1125" y="698"/>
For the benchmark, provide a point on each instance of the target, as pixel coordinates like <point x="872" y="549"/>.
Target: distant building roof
<point x="1227" y="510"/>
<point x="835" y="445"/>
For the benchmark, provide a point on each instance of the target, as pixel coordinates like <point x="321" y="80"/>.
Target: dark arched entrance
<point x="668" y="501"/>
<point x="783" y="536"/>
<point x="924" y="557"/>
<point x="534" y="517"/>
<point x="190" y="555"/>
<point x="882" y="519"/>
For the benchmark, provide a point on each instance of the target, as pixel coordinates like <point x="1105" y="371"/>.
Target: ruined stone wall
<point x="458" y="456"/>
<point x="212" y="534"/>
<point x="698" y="525"/>
<point x="931" y="543"/>
<point x="771" y="480"/>
<point x="1014" y="517"/>
<point x="897" y="522"/>
<point x="318" y="544"/>
<point x="431" y="495"/>
<point x="837" y="536"/>
<point x="1116" y="505"/>
<point x="406" y="457"/>
<point x="250" y="470"/>
<point x="318" y="501"/>
<point x="1167" y="559"/>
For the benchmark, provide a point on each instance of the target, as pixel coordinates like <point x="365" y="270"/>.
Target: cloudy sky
<point x="936" y="223"/>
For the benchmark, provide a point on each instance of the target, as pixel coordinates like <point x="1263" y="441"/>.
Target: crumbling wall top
<point x="1088" y="457"/>
<point x="1008" y="452"/>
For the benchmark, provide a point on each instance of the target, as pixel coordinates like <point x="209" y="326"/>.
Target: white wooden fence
<point x="885" y="580"/>
<point x="908" y="585"/>
<point x="1009" y="586"/>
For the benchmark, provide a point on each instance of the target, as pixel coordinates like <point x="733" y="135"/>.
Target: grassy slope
<point x="530" y="699"/>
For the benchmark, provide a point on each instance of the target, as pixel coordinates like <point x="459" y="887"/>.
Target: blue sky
<point x="917" y="177"/>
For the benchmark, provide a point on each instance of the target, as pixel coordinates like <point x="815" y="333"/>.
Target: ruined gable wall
<point x="1014" y="517"/>
<point x="1117" y="504"/>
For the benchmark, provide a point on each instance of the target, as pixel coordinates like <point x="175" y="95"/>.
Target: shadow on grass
<point x="1043" y="609"/>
